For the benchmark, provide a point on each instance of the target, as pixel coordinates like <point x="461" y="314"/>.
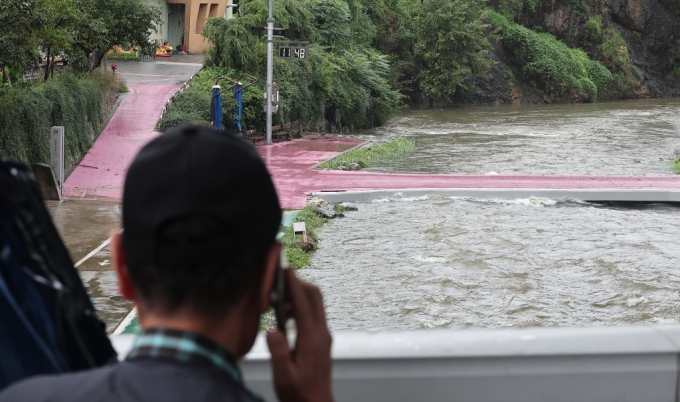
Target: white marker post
<point x="57" y="155"/>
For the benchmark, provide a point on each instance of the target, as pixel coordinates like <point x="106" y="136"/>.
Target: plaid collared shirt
<point x="184" y="347"/>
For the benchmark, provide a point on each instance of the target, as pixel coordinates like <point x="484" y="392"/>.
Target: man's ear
<point x="119" y="259"/>
<point x="270" y="264"/>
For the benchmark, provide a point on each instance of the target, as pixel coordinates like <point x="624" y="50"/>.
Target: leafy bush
<point x="613" y="52"/>
<point x="367" y="155"/>
<point x="27" y="113"/>
<point x="555" y="68"/>
<point x="594" y="27"/>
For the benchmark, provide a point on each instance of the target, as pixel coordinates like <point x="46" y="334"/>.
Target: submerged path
<point x="290" y="164"/>
<point x="101" y="172"/>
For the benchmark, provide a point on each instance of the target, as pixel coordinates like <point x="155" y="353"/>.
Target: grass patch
<point x="557" y="69"/>
<point x="675" y="163"/>
<point x="123" y="56"/>
<point x="297" y="257"/>
<point x="594" y="27"/>
<point x="365" y="156"/>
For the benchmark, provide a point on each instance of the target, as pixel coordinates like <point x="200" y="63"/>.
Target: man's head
<point x="200" y="217"/>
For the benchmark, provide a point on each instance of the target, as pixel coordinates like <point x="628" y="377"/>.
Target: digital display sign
<point x="293" y="52"/>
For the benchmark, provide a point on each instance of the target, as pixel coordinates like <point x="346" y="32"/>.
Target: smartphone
<point x="278" y="293"/>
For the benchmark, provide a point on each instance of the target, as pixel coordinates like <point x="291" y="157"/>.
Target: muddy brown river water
<point x="439" y="262"/>
<point x="634" y="137"/>
<point x="463" y="263"/>
<point x="466" y="263"/>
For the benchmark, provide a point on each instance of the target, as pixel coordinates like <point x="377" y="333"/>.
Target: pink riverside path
<point x="290" y="164"/>
<point x="101" y="172"/>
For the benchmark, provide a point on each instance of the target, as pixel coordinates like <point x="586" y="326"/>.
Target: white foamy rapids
<point x="399" y="197"/>
<point x="422" y="258"/>
<point x="662" y="320"/>
<point x="530" y="202"/>
<point x="635" y="300"/>
<point x="468" y="263"/>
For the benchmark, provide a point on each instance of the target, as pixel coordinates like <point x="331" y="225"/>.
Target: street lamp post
<point x="270" y="70"/>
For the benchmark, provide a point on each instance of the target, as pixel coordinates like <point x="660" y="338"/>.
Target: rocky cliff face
<point x="646" y="61"/>
<point x="651" y="29"/>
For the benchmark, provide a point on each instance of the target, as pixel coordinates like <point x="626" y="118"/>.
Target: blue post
<point x="238" y="95"/>
<point x="216" y="107"/>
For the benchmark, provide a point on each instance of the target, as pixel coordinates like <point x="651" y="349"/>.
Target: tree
<point x="125" y="21"/>
<point x="55" y="33"/>
<point x="20" y="21"/>
<point x="450" y="46"/>
<point x="83" y="29"/>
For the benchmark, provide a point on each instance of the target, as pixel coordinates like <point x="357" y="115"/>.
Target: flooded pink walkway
<point x="290" y="164"/>
<point x="101" y="172"/>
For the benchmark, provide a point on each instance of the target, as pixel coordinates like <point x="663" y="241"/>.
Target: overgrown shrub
<point x="27" y="113"/>
<point x="613" y="52"/>
<point x="594" y="27"/>
<point x="557" y="70"/>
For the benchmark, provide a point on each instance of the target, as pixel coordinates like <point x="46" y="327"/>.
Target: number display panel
<point x="293" y="52"/>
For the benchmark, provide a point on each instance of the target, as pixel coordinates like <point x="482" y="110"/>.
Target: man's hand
<point x="303" y="374"/>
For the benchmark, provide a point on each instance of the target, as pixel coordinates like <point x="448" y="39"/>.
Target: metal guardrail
<point x="36" y="74"/>
<point x="172" y="98"/>
<point x="627" y="363"/>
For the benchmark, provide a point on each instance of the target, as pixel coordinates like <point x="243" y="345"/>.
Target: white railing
<point x="172" y="98"/>
<point x="631" y="363"/>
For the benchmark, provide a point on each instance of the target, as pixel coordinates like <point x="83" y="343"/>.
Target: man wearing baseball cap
<point x="198" y="257"/>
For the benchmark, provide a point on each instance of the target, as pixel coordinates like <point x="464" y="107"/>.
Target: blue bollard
<point x="238" y="95"/>
<point x="216" y="107"/>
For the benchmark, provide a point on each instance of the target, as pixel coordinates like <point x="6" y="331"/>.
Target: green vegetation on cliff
<point x="551" y="65"/>
<point x="450" y="45"/>
<point x="368" y="56"/>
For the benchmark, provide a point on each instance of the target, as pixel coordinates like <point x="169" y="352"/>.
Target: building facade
<point x="182" y="21"/>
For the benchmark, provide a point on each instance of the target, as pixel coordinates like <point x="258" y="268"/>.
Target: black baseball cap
<point x="194" y="170"/>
